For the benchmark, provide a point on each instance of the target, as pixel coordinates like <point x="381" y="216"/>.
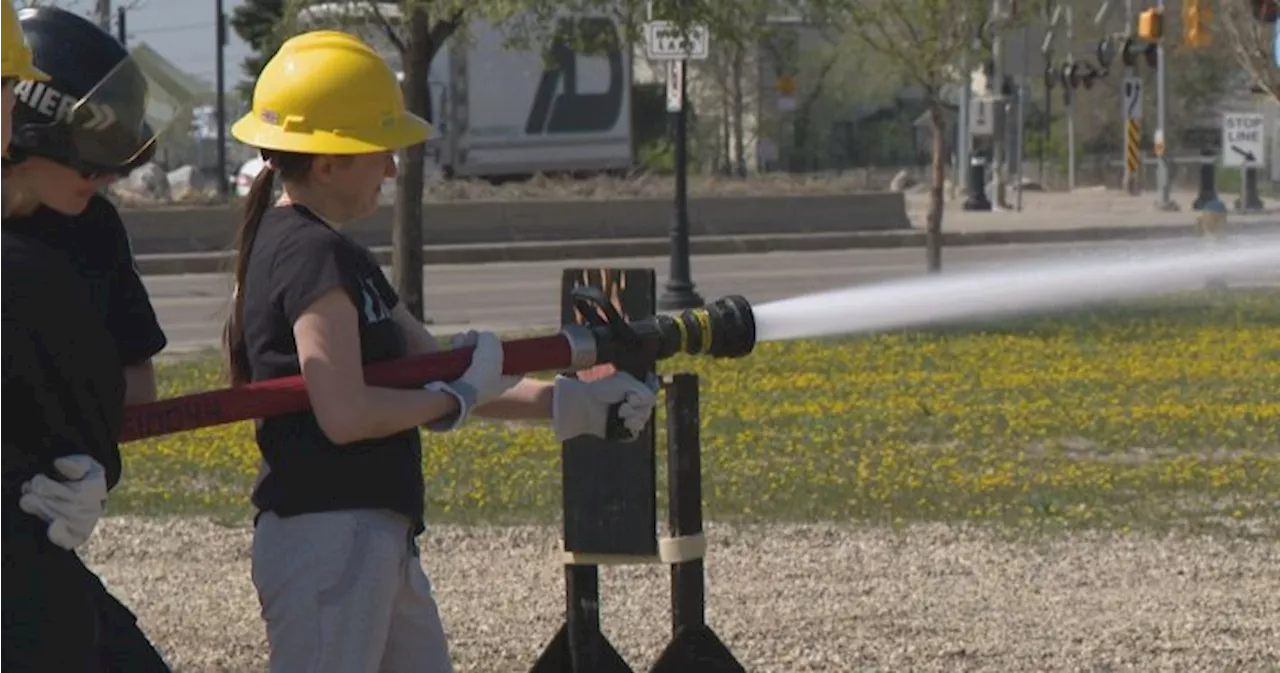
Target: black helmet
<point x="91" y="114"/>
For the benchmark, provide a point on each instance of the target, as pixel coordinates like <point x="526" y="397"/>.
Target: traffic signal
<point x="1151" y="25"/>
<point x="1196" y="16"/>
<point x="1091" y="74"/>
<point x="1131" y="49"/>
<point x="1264" y="10"/>
<point x="1079" y="74"/>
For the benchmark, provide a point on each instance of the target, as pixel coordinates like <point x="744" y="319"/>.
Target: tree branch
<point x="393" y="35"/>
<point x="923" y="40"/>
<point x="871" y="28"/>
<point x="1251" y="46"/>
<point x="443" y="29"/>
<point x="819" y="82"/>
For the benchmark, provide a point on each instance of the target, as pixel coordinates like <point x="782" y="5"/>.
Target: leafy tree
<point x="257" y="23"/>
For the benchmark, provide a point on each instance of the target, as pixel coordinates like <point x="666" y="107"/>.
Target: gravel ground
<point x="785" y="598"/>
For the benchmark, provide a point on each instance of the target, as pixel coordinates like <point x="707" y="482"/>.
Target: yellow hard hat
<point x="16" y="53"/>
<point x="327" y="92"/>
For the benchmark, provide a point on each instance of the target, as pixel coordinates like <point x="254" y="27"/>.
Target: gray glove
<point x="582" y="407"/>
<point x="72" y="507"/>
<point x="482" y="382"/>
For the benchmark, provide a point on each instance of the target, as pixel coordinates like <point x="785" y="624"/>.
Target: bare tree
<point x="923" y="42"/>
<point x="1251" y="42"/>
<point x="809" y="67"/>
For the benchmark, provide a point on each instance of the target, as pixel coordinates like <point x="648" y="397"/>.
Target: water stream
<point x="1030" y="287"/>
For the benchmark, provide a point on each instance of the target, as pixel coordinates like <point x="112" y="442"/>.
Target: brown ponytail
<point x="292" y="168"/>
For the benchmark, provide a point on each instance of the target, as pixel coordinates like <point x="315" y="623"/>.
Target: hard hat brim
<point x="409" y="129"/>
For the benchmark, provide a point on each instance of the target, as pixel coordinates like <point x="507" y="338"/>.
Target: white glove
<point x="468" y="339"/>
<point x="482" y="382"/>
<point x="582" y="407"/>
<point x="71" y="507"/>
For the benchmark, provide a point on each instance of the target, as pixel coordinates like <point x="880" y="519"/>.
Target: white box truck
<point x="505" y="112"/>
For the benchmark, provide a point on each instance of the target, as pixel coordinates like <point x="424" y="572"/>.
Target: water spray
<point x="724" y="329"/>
<point x="1027" y="287"/>
<point x="730" y="327"/>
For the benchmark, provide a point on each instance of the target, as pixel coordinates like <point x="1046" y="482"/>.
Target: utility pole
<point x="1071" y="98"/>
<point x="1130" y="99"/>
<point x="1052" y="14"/>
<point x="220" y="100"/>
<point x="1020" y="135"/>
<point x="120" y="26"/>
<point x="962" y="127"/>
<point x="1000" y="109"/>
<point x="679" y="293"/>
<point x="102" y="12"/>
<point x="1130" y="184"/>
<point x="1162" y="102"/>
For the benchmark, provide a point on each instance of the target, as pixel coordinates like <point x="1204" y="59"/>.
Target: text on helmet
<point x="60" y="107"/>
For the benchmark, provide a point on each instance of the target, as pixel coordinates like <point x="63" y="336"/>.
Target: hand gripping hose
<point x="724" y="329"/>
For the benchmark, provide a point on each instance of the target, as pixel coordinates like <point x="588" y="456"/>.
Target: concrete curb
<point x="220" y="262"/>
<point x="166" y="231"/>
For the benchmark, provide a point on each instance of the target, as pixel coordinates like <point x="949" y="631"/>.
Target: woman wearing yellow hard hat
<point x="63" y="381"/>
<point x="340" y="495"/>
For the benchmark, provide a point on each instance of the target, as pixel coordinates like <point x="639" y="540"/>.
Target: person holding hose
<point x="63" y="381"/>
<point x="340" y="496"/>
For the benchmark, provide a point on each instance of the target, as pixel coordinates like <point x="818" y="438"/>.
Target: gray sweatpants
<point x="344" y="592"/>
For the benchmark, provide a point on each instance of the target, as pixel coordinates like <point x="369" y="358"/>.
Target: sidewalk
<point x="1086" y="207"/>
<point x="1047" y="217"/>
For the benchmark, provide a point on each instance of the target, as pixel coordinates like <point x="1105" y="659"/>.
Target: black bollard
<point x="977" y="199"/>
<point x="1208" y="180"/>
<point x="1249" y="199"/>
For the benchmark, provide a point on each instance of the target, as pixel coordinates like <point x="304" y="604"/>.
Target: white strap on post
<point x="671" y="550"/>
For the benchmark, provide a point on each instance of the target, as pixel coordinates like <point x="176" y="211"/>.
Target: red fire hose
<point x="274" y="397"/>
<point x="725" y="329"/>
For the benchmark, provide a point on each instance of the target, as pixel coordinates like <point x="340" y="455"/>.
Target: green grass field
<point x="1154" y="415"/>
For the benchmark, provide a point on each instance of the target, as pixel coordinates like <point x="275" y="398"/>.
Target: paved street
<point x="510" y="296"/>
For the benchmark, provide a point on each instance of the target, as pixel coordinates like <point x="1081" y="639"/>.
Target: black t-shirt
<point x="295" y="259"/>
<point x="63" y="391"/>
<point x="97" y="244"/>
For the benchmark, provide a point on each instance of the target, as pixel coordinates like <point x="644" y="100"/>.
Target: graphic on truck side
<point x="571" y="111"/>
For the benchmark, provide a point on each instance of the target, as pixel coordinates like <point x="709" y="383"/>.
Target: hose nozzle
<point x="726" y="328"/>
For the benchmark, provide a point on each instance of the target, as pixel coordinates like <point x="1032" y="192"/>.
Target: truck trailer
<point x="506" y="112"/>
